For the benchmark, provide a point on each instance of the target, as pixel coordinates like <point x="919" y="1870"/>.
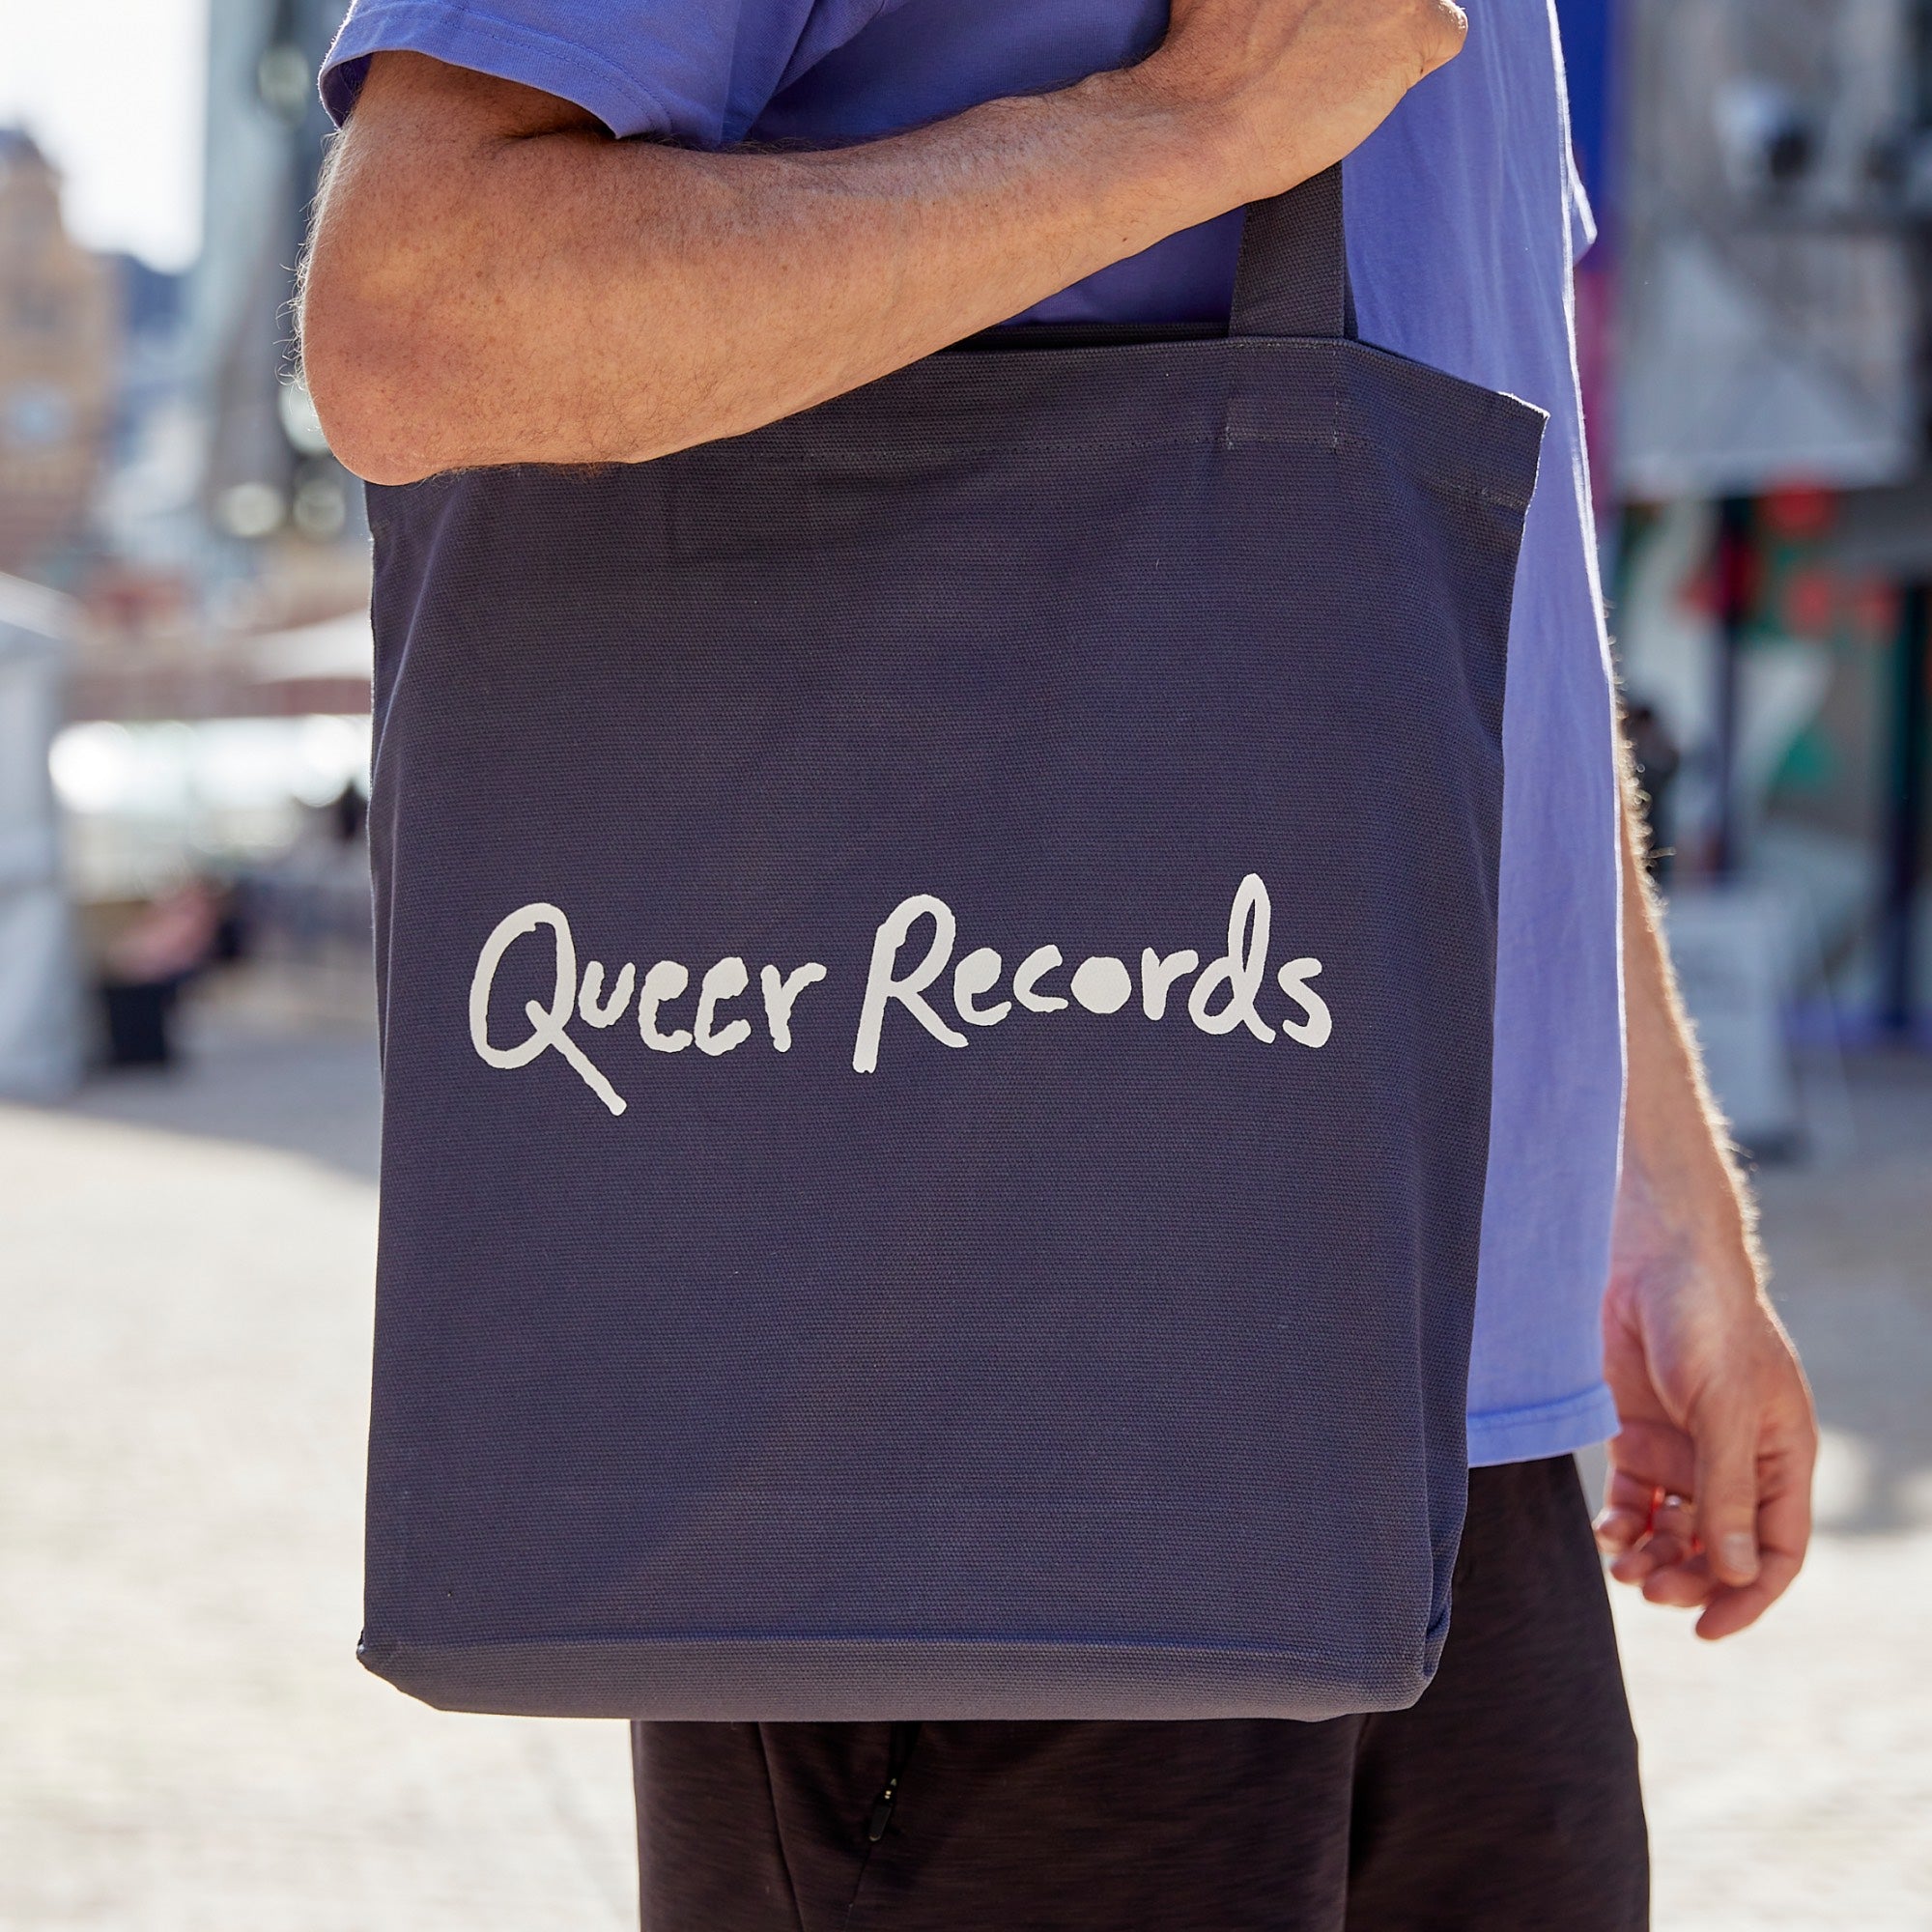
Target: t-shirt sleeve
<point x="1582" y="216"/>
<point x="698" y="70"/>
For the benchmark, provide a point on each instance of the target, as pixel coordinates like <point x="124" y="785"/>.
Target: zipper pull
<point x="882" y="1809"/>
<point x="899" y="1754"/>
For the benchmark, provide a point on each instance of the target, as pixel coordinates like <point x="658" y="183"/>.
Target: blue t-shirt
<point x="1465" y="215"/>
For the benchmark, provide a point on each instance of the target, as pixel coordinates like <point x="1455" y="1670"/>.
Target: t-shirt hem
<point x="503" y="49"/>
<point x="1545" y="1429"/>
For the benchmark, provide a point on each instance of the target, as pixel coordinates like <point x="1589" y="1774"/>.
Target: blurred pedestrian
<point x="148" y="963"/>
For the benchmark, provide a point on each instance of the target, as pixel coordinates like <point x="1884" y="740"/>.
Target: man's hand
<point x="1709" y="1500"/>
<point x="1304" y="81"/>
<point x="494" y="279"/>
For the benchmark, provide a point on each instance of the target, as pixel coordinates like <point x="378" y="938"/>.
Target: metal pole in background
<point x="1905" y="800"/>
<point x="1905" y="812"/>
<point x="1733" y="610"/>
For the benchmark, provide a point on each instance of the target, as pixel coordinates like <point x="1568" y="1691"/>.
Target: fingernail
<point x="1740" y="1551"/>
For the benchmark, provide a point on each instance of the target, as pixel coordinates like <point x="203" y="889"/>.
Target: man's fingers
<point x="1636" y="1563"/>
<point x="1669" y="1543"/>
<point x="1683" y="1586"/>
<point x="1652" y="1554"/>
<point x="1731" y="1610"/>
<point x="1620" y="1530"/>
<point x="1629" y="1503"/>
<point x="1650" y="1454"/>
<point x="1644" y="1527"/>
<point x="1671" y="1539"/>
<point x="1784" y="1534"/>
<point x="1725" y="1430"/>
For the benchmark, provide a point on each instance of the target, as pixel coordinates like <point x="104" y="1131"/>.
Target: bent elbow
<point x="364" y="365"/>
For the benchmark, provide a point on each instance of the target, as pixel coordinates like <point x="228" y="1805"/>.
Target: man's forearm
<point x="1676" y="1149"/>
<point x="546" y="293"/>
<point x="1708" y="1504"/>
<point x="492" y="278"/>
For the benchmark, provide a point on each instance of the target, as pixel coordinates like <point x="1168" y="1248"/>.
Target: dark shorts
<point x="1507" y="1798"/>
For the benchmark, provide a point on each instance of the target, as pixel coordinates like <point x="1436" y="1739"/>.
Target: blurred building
<point x="1754" y="346"/>
<point x="60" y="340"/>
<point x="224" y="525"/>
<point x="1769" y="316"/>
<point x="41" y="1013"/>
<point x="159" y="463"/>
<point x="269" y="471"/>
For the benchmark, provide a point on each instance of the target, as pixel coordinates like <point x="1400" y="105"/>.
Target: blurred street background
<point x="188" y="1095"/>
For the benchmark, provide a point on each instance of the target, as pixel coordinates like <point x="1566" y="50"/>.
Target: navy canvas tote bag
<point x="936" y="966"/>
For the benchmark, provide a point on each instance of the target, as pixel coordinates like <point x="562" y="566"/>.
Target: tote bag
<point x="936" y="966"/>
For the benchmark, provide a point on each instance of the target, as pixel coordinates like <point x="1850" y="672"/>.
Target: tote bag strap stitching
<point x="1294" y="274"/>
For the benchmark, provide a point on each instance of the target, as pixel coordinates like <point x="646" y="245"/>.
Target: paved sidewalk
<point x="187" y="1742"/>
<point x="1789" y="1770"/>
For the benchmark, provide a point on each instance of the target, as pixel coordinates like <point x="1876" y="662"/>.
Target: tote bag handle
<point x="1294" y="274"/>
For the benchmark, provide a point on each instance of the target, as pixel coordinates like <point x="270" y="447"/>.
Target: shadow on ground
<point x="312" y="1091"/>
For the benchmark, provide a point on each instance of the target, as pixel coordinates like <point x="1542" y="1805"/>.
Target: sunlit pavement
<point x="187" y="1742"/>
<point x="1789" y="1770"/>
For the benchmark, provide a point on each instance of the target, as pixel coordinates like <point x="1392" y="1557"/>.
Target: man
<point x="827" y="190"/>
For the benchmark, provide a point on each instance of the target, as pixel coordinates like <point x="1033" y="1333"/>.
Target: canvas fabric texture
<point x="937" y="965"/>
<point x="1466" y="212"/>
